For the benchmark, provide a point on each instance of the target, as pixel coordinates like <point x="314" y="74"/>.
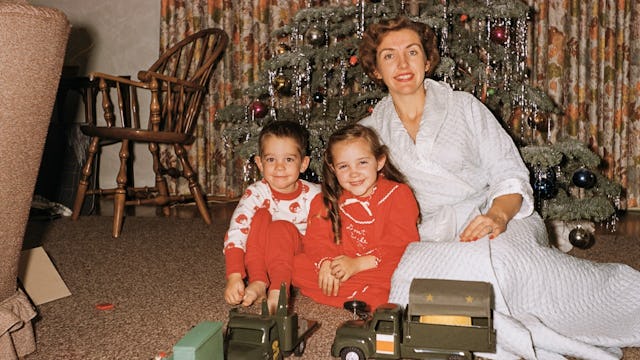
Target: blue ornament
<point x="584" y="178"/>
<point x="545" y="188"/>
<point x="318" y="97"/>
<point x="581" y="238"/>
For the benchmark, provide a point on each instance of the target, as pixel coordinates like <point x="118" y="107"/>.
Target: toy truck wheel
<point x="299" y="350"/>
<point x="352" y="353"/>
<point x="302" y="330"/>
<point x="466" y="356"/>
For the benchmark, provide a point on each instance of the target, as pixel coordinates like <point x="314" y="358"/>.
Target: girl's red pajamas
<point x="381" y="224"/>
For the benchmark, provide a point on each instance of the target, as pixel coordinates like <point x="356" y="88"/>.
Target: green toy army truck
<point x="264" y="336"/>
<point x="445" y="319"/>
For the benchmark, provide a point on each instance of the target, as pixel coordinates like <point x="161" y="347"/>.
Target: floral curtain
<point x="249" y="24"/>
<point x="586" y="55"/>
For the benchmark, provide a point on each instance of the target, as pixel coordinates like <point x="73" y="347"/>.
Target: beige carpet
<point x="165" y="275"/>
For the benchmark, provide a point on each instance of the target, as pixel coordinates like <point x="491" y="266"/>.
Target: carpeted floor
<point x="165" y="275"/>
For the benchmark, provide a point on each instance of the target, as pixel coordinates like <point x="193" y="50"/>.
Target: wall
<point x="117" y="37"/>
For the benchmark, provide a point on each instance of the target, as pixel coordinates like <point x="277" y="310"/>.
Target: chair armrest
<point x="118" y="79"/>
<point x="142" y="75"/>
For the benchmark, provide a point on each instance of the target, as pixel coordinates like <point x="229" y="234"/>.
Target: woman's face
<point x="401" y="62"/>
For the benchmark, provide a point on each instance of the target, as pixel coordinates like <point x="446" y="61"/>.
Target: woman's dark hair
<point x="331" y="189"/>
<point x="376" y="32"/>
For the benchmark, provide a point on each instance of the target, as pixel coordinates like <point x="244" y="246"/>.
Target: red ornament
<point x="540" y="121"/>
<point x="498" y="35"/>
<point x="353" y="60"/>
<point x="258" y="109"/>
<point x="464" y="17"/>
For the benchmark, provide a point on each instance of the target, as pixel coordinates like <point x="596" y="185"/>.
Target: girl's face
<point x="355" y="166"/>
<point x="401" y="62"/>
<point x="280" y="163"/>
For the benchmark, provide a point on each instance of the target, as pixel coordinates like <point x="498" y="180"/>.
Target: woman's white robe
<point x="547" y="303"/>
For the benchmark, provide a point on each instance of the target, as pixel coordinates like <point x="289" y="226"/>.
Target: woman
<point x="477" y="211"/>
<point x="488" y="173"/>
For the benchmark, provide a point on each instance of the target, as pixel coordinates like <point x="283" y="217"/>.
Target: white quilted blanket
<point x="547" y="304"/>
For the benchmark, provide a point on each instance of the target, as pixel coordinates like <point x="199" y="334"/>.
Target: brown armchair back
<point x="32" y="46"/>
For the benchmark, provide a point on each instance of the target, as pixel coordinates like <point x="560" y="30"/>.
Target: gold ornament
<point x="315" y="36"/>
<point x="282" y="48"/>
<point x="282" y="84"/>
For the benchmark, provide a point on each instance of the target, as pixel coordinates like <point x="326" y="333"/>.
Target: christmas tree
<point x="314" y="77"/>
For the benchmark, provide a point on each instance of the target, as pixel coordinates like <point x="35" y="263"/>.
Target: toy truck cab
<point x="445" y="319"/>
<point x="266" y="336"/>
<point x="252" y="337"/>
<point x="375" y="336"/>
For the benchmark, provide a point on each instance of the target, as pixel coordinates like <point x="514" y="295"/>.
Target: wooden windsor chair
<point x="176" y="85"/>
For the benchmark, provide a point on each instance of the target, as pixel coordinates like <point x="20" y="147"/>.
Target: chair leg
<point x="194" y="187"/>
<point x="83" y="184"/>
<point x="161" y="182"/>
<point x="119" y="199"/>
<point x="120" y="196"/>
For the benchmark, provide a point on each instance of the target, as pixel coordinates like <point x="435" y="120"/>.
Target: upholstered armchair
<point x="32" y="46"/>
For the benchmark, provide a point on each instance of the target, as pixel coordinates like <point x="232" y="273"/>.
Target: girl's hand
<point x="234" y="290"/>
<point x="326" y="281"/>
<point x="343" y="267"/>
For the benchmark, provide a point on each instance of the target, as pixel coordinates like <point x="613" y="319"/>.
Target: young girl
<point x="360" y="228"/>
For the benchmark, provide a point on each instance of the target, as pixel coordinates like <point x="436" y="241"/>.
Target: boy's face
<point x="281" y="163"/>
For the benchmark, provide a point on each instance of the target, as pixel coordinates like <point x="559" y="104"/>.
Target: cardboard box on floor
<point x="40" y="278"/>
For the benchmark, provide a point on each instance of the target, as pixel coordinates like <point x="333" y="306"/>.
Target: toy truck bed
<point x="450" y="314"/>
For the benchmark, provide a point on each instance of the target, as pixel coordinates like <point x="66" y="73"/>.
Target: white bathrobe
<point x="547" y="303"/>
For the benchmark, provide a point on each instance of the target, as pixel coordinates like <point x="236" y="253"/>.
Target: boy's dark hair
<point x="286" y="129"/>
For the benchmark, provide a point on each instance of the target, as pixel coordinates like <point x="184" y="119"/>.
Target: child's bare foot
<point x="272" y="300"/>
<point x="255" y="291"/>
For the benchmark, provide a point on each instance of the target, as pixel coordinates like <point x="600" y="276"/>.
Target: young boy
<point x="271" y="217"/>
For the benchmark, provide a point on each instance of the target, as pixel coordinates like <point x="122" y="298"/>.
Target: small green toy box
<point x="202" y="342"/>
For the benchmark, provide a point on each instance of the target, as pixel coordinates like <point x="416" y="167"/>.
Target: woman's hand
<point x="326" y="281"/>
<point x="484" y="225"/>
<point x="495" y="221"/>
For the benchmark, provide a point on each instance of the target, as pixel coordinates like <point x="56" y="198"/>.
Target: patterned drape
<point x="586" y="55"/>
<point x="249" y="25"/>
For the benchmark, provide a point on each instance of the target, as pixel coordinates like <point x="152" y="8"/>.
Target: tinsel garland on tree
<point x="314" y="77"/>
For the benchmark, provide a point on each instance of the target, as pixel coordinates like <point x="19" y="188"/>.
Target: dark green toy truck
<point x="264" y="336"/>
<point x="445" y="319"/>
